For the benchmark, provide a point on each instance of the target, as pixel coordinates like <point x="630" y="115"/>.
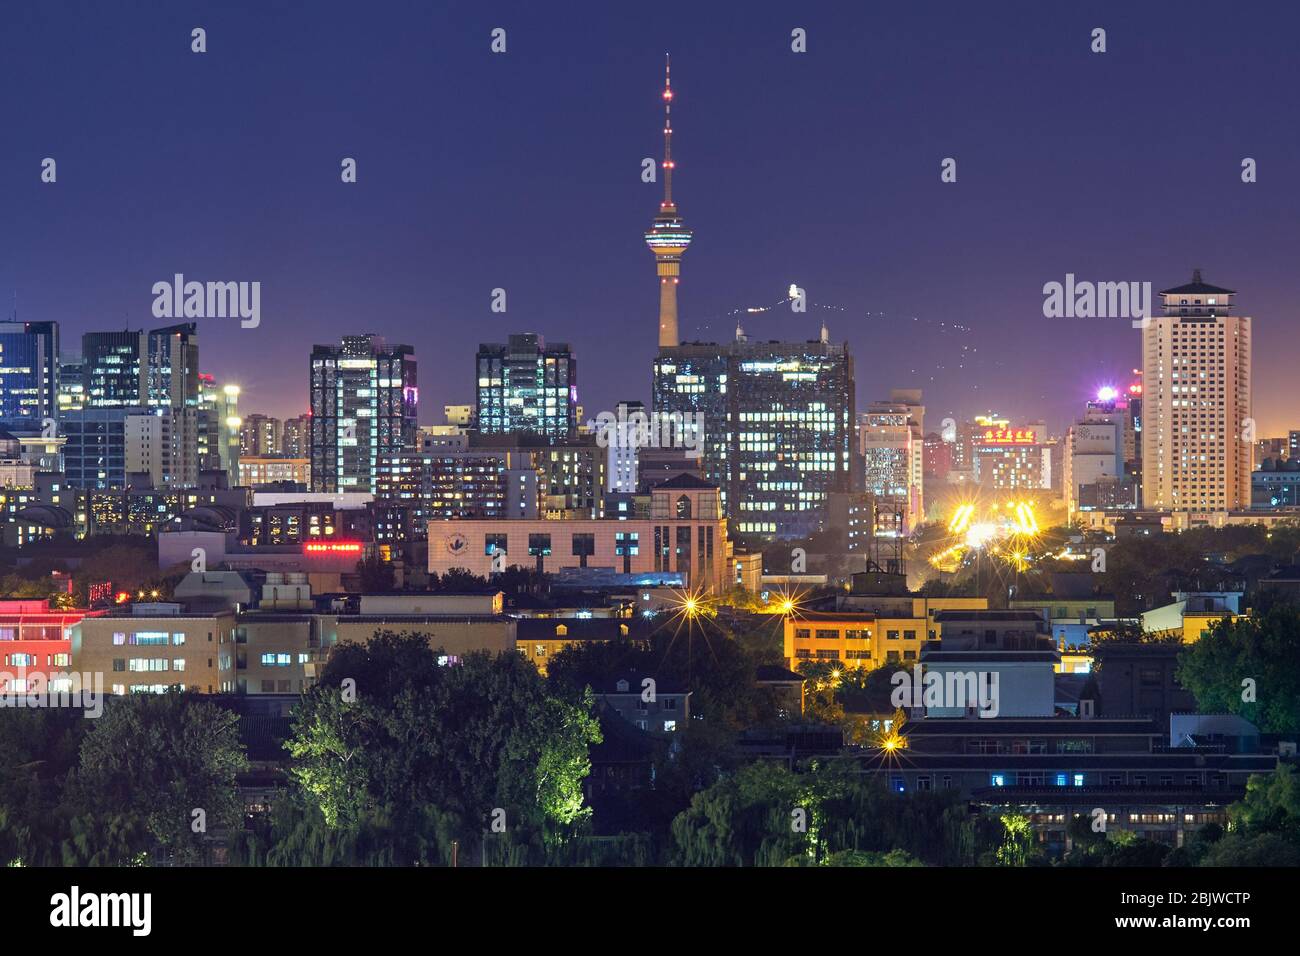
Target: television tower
<point x="667" y="237"/>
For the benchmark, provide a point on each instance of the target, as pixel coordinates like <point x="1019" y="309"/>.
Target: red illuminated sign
<point x="332" y="547"/>
<point x="1009" y="436"/>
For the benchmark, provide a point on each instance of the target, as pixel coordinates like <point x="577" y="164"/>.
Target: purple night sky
<point x="522" y="171"/>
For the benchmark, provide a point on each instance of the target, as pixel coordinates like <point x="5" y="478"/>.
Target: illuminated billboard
<point x="332" y="547"/>
<point x="1009" y="436"/>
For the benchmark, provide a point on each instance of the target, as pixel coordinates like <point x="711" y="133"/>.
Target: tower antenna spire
<point x="668" y="131"/>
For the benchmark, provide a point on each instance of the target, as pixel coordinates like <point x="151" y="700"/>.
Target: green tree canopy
<point x="152" y="760"/>
<point x="1247" y="666"/>
<point x="389" y="730"/>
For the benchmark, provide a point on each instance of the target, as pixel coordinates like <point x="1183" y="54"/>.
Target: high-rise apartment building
<point x="623" y="438"/>
<point x="363" y="405"/>
<point x="1015" y="459"/>
<point x="459" y="483"/>
<point x="527" y="387"/>
<point x="173" y="393"/>
<point x="210" y="419"/>
<point x="1197" y="433"/>
<point x="295" y="437"/>
<point x="95" y="446"/>
<point x="1100" y="461"/>
<point x="260" y="435"/>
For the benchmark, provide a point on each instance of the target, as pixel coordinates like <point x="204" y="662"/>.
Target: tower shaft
<point x="668" y="309"/>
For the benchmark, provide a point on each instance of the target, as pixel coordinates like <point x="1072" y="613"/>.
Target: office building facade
<point x="778" y="424"/>
<point x="363" y="405"/>
<point x="29" y="375"/>
<point x="527" y="387"/>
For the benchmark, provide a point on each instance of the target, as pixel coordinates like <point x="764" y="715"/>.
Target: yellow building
<point x="1193" y="615"/>
<point x="869" y="638"/>
<point x="150" y="648"/>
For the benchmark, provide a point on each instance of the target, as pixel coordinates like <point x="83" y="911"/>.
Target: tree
<point x="698" y="653"/>
<point x="871" y="858"/>
<point x="152" y="761"/>
<point x="764" y="815"/>
<point x="1271" y="804"/>
<point x="38" y="752"/>
<point x="1246" y="666"/>
<point x="1264" y="826"/>
<point x="1017" y="842"/>
<point x="752" y="818"/>
<point x="458" y="580"/>
<point x="390" y="735"/>
<point x="376" y="574"/>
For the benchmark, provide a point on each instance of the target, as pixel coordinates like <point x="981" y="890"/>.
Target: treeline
<point x="151" y="780"/>
<point x="397" y="761"/>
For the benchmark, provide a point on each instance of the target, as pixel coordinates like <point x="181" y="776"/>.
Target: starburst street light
<point x="785" y="602"/>
<point x="689" y="605"/>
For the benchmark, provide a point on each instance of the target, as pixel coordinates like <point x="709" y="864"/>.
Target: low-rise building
<point x="869" y="630"/>
<point x="151" y="648"/>
<point x="653" y="704"/>
<point x="1192" y="615"/>
<point x="686" y="533"/>
<point x="36" y="647"/>
<point x="539" y="639"/>
<point x="1052" y="769"/>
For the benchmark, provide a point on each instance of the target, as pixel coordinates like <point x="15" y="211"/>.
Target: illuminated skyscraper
<point x="778" y="426"/>
<point x="890" y="436"/>
<point x="667" y="237"/>
<point x="526" y="387"/>
<point x="29" y="374"/>
<point x="363" y="406"/>
<point x="157" y="370"/>
<point x="1197" y="434"/>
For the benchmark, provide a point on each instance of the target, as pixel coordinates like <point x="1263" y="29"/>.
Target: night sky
<point x="522" y="171"/>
